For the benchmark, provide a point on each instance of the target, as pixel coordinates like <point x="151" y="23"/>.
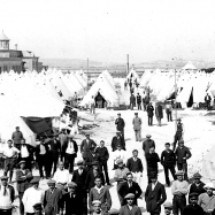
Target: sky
<point x="107" y="30"/>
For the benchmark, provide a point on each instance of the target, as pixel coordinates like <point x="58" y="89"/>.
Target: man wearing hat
<point x="7" y="196"/>
<point x="32" y="196"/>
<point x="130" y="187"/>
<point x="86" y="145"/>
<point x="182" y="154"/>
<point x="155" y="195"/>
<point x="179" y="191"/>
<point x="118" y="154"/>
<point x="197" y="186"/>
<point x="70" y="201"/>
<point x="38" y="209"/>
<point x="120" y="176"/>
<point x="17" y="136"/>
<point x="150" y="113"/>
<point x="117" y="140"/>
<point x="96" y="207"/>
<point x="139" y="100"/>
<point x="52" y="199"/>
<point x="120" y="124"/>
<point x="147" y="143"/>
<point x="167" y="208"/>
<point x="92" y="158"/>
<point x="63" y="137"/>
<point x="23" y="178"/>
<point x="207" y="200"/>
<point x="130" y="208"/>
<point x="137" y="122"/>
<point x="70" y="150"/>
<point x="193" y="208"/>
<point x="79" y="177"/>
<point x="132" y="101"/>
<point x="178" y="134"/>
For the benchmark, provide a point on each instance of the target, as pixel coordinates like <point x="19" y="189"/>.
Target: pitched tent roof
<point x="189" y="66"/>
<point x="3" y="36"/>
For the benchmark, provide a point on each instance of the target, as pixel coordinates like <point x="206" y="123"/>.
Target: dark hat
<point x="181" y="141"/>
<point x="197" y="175"/>
<point x="35" y="180"/>
<point x="129" y="196"/>
<point x="51" y="181"/>
<point x="153" y="175"/>
<point x="21" y="162"/>
<point x="136" y="113"/>
<point x="4" y="178"/>
<point x="119" y="114"/>
<point x="179" y="119"/>
<point x="179" y="173"/>
<point x="72" y="185"/>
<point x="37" y="206"/>
<point x="80" y="162"/>
<point x="193" y="196"/>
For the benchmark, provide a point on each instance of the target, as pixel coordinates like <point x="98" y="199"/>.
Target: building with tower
<point x="17" y="60"/>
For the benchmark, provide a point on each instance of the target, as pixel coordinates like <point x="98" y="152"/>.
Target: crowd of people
<point x="85" y="189"/>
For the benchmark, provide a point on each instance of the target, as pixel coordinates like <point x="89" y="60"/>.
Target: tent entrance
<point x="100" y="101"/>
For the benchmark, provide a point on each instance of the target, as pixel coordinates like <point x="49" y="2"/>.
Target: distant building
<point x="17" y="60"/>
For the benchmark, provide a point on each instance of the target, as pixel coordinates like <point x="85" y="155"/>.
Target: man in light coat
<point x="137" y="122"/>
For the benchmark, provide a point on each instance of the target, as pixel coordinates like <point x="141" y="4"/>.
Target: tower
<point x="4" y="41"/>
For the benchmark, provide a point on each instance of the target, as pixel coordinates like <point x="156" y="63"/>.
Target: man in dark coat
<point x="129" y="187"/>
<point x="120" y="124"/>
<point x="155" y="196"/>
<point x="63" y="137"/>
<point x="193" y="208"/>
<point x="23" y="178"/>
<point x="208" y="101"/>
<point x="150" y="113"/>
<point x="132" y="101"/>
<point x="52" y="199"/>
<point x="117" y="140"/>
<point x="130" y="208"/>
<point x="148" y="143"/>
<point x="197" y="186"/>
<point x="70" y="150"/>
<point x="139" y="100"/>
<point x="92" y="158"/>
<point x="152" y="160"/>
<point x="159" y="113"/>
<point x="179" y="134"/>
<point x="168" y="160"/>
<point x="86" y="145"/>
<point x="79" y="177"/>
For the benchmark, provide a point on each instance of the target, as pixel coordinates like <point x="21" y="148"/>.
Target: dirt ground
<point x="198" y="136"/>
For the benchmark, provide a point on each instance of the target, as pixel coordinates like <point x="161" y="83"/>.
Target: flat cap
<point x="4" y="177"/>
<point x="37" y="206"/>
<point x="168" y="205"/>
<point x="129" y="195"/>
<point x="72" y="185"/>
<point x="148" y="136"/>
<point x="193" y="196"/>
<point x="179" y="173"/>
<point x="96" y="203"/>
<point x="21" y="162"/>
<point x="113" y="211"/>
<point x="118" y="161"/>
<point x="80" y="162"/>
<point x="35" y="180"/>
<point x="197" y="175"/>
<point x="209" y="185"/>
<point x="51" y="181"/>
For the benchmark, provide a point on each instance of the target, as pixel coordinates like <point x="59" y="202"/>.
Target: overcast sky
<point x="106" y="30"/>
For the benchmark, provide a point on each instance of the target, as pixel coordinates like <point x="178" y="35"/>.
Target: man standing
<point x="150" y="113"/>
<point x="70" y="150"/>
<point x="86" y="145"/>
<point x="155" y="196"/>
<point x="52" y="199"/>
<point x="91" y="158"/>
<point x="178" y="134"/>
<point x="148" y="143"/>
<point x="23" y="178"/>
<point x="130" y="208"/>
<point x="92" y="105"/>
<point x="62" y="176"/>
<point x="137" y="122"/>
<point x="182" y="154"/>
<point x="159" y="113"/>
<point x="7" y="197"/>
<point x="135" y="166"/>
<point x="17" y="136"/>
<point x="169" y="111"/>
<point x="32" y="196"/>
<point x="139" y="99"/>
<point x="152" y="160"/>
<point x="64" y="138"/>
<point x="179" y="191"/>
<point x="130" y="187"/>
<point x="102" y="194"/>
<point x="120" y="124"/>
<point x="197" y="186"/>
<point x="207" y="200"/>
<point x="117" y="140"/>
<point x="208" y="101"/>
<point x="103" y="153"/>
<point x="79" y="177"/>
<point x="193" y="208"/>
<point x="168" y="161"/>
<point x="11" y="154"/>
<point x="120" y="176"/>
<point x="132" y="101"/>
